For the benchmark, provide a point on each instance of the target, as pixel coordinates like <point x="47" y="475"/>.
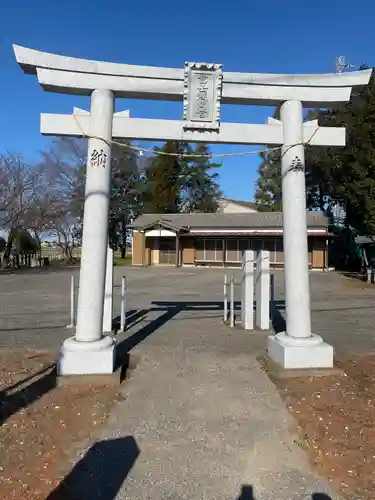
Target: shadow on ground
<point x="357" y="275"/>
<point x="33" y="328"/>
<point x="133" y="316"/>
<point x="277" y="319"/>
<point x="12" y="400"/>
<point x="52" y="268"/>
<point x="168" y="310"/>
<point x="247" y="493"/>
<point x="90" y="478"/>
<point x="100" y="473"/>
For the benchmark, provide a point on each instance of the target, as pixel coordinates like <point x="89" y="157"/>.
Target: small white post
<point x="108" y="294"/>
<point x="272" y="291"/>
<point x="123" y="304"/>
<point x="262" y="290"/>
<point x="225" y="298"/>
<point x="369" y="275"/>
<point x="247" y="292"/>
<point x="72" y="287"/>
<point x="232" y="318"/>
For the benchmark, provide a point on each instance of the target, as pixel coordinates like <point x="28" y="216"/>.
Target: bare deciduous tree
<point x="18" y="182"/>
<point x="17" y="191"/>
<point x="41" y="198"/>
<point x="63" y="167"/>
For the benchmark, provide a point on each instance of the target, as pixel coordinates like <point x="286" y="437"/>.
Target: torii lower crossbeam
<point x="79" y="125"/>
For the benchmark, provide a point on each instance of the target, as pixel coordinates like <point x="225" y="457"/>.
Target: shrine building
<point x="219" y="239"/>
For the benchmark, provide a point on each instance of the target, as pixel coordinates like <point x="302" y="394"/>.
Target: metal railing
<point x="123" y="303"/>
<point x="229" y="300"/>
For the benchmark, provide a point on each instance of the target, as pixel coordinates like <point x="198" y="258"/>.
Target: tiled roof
<point x="251" y="220"/>
<point x="247" y="204"/>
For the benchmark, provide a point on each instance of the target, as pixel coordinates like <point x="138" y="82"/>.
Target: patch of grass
<point x="123" y="262"/>
<point x="304" y="443"/>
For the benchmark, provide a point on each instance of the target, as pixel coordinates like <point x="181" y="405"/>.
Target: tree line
<point x="343" y="177"/>
<point x="47" y="198"/>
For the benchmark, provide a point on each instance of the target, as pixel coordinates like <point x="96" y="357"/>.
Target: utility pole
<point x="342" y="65"/>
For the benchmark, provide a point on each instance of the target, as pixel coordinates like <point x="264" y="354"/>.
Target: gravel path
<point x="204" y="418"/>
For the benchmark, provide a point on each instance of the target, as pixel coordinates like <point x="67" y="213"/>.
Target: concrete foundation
<point x="294" y="353"/>
<point x="86" y="358"/>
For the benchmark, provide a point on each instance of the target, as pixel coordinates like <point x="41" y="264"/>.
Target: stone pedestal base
<point x="86" y="358"/>
<point x="292" y="353"/>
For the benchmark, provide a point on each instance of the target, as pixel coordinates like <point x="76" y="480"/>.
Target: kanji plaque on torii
<point x="202" y="95"/>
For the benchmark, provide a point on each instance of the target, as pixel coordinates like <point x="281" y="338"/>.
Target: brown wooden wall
<point x="138" y="239"/>
<point x="213" y="250"/>
<point x="139" y="247"/>
<point x="320" y="253"/>
<point x="191" y="251"/>
<point x="188" y="250"/>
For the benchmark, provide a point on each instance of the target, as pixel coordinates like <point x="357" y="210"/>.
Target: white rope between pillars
<point x="189" y="155"/>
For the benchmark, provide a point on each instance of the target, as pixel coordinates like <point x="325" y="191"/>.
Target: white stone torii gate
<point x="202" y="87"/>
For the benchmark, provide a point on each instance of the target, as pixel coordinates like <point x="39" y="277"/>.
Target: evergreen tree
<point x="268" y="184"/>
<point x="125" y="202"/>
<point x="319" y="184"/>
<point x="200" y="188"/>
<point x="179" y="183"/>
<point x="347" y="175"/>
<point x="318" y="179"/>
<point x="162" y="182"/>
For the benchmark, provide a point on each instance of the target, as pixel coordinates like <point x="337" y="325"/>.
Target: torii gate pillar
<point x="297" y="347"/>
<point x="89" y="351"/>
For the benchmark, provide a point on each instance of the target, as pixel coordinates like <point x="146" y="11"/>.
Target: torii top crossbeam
<point x="71" y="75"/>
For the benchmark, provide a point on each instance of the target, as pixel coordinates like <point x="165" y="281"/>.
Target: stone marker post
<point x="247" y="290"/>
<point x="262" y="290"/>
<point x="108" y="293"/>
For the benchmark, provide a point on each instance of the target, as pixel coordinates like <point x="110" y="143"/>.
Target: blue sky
<point x="274" y="36"/>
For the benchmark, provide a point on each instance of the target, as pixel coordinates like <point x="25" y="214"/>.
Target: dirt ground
<point x="40" y="423"/>
<point x="336" y="423"/>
